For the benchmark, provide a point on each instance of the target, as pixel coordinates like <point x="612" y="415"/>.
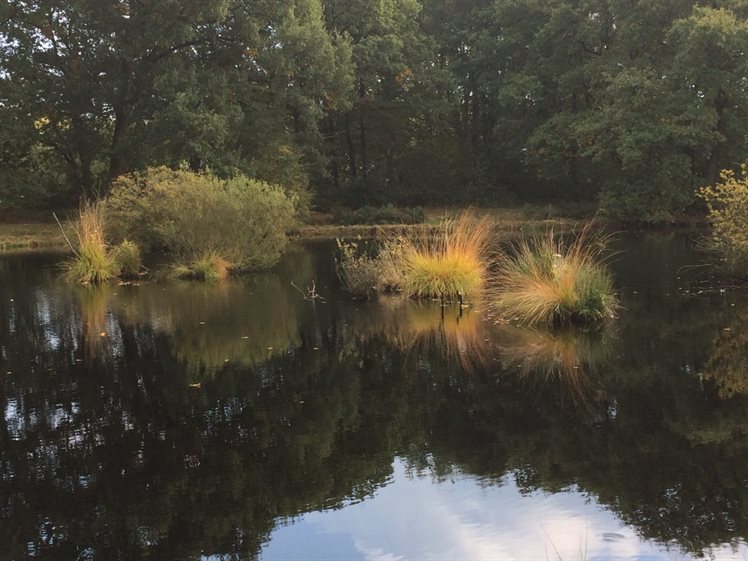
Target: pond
<point x="239" y="420"/>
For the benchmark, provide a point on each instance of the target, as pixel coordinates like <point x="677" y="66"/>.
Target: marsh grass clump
<point x="545" y="281"/>
<point x="92" y="262"/>
<point x="209" y="267"/>
<point x="358" y="271"/>
<point x="128" y="259"/>
<point x="451" y="264"/>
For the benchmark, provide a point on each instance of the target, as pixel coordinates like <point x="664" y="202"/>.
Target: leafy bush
<point x="728" y="213"/>
<point x="189" y="214"/>
<point x="387" y="214"/>
<point x="546" y="281"/>
<point x="91" y="262"/>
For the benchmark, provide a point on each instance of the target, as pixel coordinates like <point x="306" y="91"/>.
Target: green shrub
<point x="128" y="259"/>
<point x="187" y="214"/>
<point x="547" y="282"/>
<point x="387" y="214"/>
<point x="728" y="214"/>
<point x="209" y="267"/>
<point x="91" y="262"/>
<point x="358" y="271"/>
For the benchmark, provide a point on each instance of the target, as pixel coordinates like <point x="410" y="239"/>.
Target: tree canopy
<point x="633" y="104"/>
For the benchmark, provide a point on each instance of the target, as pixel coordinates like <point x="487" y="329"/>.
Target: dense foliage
<point x="192" y="215"/>
<point x="633" y="104"/>
<point x="728" y="214"/>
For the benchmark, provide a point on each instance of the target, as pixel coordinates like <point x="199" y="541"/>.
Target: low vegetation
<point x="451" y="264"/>
<point x="447" y="265"/>
<point x="358" y="271"/>
<point x="128" y="259"/>
<point x="92" y="262"/>
<point x="728" y="214"/>
<point x="546" y="281"/>
<point x="386" y="214"/>
<point x="210" y="267"/>
<point x="187" y="214"/>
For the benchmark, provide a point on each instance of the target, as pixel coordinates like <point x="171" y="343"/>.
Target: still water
<point x="173" y="421"/>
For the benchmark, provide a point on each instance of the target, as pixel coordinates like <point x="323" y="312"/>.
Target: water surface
<point x="172" y="420"/>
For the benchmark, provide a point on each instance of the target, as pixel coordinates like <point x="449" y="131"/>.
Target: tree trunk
<point x="716" y="158"/>
<point x="362" y="132"/>
<point x="351" y="147"/>
<point x="117" y="161"/>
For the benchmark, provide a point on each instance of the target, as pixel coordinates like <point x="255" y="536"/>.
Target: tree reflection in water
<point x="108" y="450"/>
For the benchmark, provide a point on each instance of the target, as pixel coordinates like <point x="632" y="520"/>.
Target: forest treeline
<point x="634" y="104"/>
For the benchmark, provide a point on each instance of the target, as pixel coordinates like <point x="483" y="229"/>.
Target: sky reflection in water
<point x="179" y="421"/>
<point x="419" y="518"/>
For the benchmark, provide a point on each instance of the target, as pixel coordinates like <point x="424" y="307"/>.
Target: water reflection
<point x="567" y="360"/>
<point x="207" y="419"/>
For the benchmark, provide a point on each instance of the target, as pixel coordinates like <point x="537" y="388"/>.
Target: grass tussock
<point x="210" y="267"/>
<point x="128" y="259"/>
<point x="450" y="265"/>
<point x="547" y="281"/>
<point x="92" y="263"/>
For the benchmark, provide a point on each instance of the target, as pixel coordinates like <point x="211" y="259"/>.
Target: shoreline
<point x="34" y="234"/>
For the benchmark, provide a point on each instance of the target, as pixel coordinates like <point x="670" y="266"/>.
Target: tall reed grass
<point x="546" y="281"/>
<point x="92" y="262"/>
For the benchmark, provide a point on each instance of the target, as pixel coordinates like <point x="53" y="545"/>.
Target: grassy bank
<point x="527" y="219"/>
<point x="38" y="230"/>
<point x="30" y="236"/>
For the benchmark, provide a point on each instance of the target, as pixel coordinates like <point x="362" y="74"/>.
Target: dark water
<point x="239" y="421"/>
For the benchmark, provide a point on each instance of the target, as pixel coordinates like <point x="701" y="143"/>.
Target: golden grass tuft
<point x="209" y="267"/>
<point x="91" y="262"/>
<point x="545" y="281"/>
<point x="450" y="265"/>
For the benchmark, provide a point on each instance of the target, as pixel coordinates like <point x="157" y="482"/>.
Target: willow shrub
<point x="189" y="215"/>
<point x="728" y="214"/>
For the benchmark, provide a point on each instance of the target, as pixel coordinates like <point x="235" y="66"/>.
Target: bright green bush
<point x="189" y="214"/>
<point x="728" y="214"/>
